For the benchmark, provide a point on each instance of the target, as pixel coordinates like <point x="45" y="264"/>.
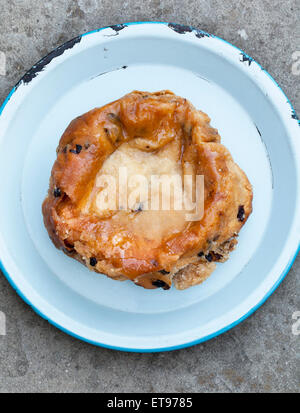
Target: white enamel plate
<point x="256" y="123"/>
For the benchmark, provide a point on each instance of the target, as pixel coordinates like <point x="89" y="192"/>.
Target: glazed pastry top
<point x="146" y="134"/>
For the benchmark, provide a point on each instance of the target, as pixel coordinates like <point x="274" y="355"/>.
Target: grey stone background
<point x="259" y="355"/>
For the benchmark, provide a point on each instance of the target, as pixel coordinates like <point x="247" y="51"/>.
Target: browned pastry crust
<point x="122" y="244"/>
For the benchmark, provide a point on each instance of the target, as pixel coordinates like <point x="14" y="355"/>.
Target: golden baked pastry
<point x="150" y="134"/>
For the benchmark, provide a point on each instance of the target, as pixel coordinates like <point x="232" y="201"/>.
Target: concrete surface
<point x="258" y="355"/>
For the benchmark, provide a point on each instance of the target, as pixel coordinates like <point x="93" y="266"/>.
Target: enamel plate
<point x="256" y="122"/>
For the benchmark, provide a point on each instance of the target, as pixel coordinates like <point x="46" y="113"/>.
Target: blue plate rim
<point x="194" y="342"/>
